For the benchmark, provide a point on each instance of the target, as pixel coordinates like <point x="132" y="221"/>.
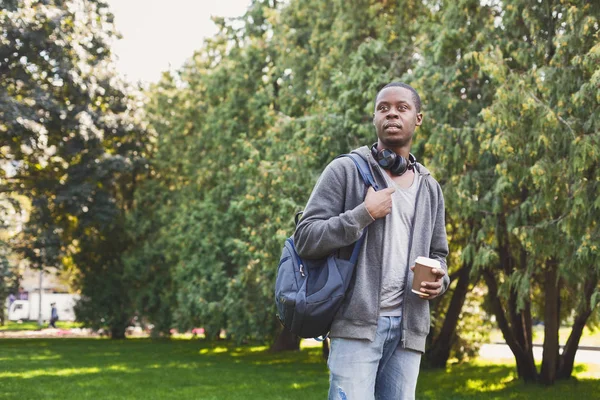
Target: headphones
<point x="393" y="162"/>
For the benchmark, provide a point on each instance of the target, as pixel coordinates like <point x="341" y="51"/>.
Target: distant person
<point x="53" y="315"/>
<point x="11" y="299"/>
<point x="23" y="295"/>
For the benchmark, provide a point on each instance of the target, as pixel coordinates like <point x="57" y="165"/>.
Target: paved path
<point x="584" y="355"/>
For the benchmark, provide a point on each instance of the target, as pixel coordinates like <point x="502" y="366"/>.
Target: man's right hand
<point x="379" y="204"/>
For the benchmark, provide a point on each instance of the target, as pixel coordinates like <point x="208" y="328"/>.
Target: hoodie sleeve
<point x="326" y="225"/>
<point x="439" y="241"/>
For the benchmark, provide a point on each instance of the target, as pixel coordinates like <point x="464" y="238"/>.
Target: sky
<point x="159" y="35"/>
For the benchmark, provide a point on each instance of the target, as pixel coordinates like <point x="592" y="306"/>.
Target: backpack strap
<point x="365" y="172"/>
<point x="363" y="169"/>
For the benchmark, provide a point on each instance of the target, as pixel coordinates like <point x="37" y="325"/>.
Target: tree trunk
<point x="117" y="332"/>
<point x="551" y="323"/>
<point x="286" y="341"/>
<point x="520" y="327"/>
<point x="118" y="327"/>
<point x="567" y="358"/>
<point x="515" y="336"/>
<point x="525" y="363"/>
<point x="439" y="352"/>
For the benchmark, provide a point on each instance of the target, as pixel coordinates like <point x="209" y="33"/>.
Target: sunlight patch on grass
<point x="122" y="368"/>
<point x="299" y="386"/>
<point x="255" y="349"/>
<point x="479" y="385"/>
<point x="308" y="343"/>
<point x="243" y="351"/>
<point x="45" y="357"/>
<point x="214" y="350"/>
<point x="34" y="373"/>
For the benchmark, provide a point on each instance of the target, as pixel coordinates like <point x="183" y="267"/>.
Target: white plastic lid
<point x="428" y="262"/>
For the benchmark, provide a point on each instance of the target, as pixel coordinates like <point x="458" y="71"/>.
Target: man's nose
<point x="392" y="114"/>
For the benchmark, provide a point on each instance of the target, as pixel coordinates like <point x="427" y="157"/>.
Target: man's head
<point x="397" y="114"/>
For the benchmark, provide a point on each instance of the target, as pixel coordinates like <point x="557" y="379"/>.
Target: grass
<point x="33" y="326"/>
<point x="194" y="369"/>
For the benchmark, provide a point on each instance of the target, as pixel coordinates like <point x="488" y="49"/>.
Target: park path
<point x="494" y="351"/>
<point x="501" y="351"/>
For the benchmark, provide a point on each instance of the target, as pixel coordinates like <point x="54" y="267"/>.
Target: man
<point x="378" y="335"/>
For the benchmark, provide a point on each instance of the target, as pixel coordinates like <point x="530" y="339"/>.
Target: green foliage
<point x="243" y="130"/>
<point x="514" y="120"/>
<point x="247" y="125"/>
<point x="71" y="144"/>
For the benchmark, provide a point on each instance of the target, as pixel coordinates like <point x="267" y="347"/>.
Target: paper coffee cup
<point x="422" y="273"/>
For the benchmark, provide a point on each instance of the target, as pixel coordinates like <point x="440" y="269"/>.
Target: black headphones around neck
<point x="393" y="162"/>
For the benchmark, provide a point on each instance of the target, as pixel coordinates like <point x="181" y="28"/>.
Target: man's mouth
<point x="392" y="125"/>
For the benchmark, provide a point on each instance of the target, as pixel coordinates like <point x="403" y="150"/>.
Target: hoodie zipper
<point x="412" y="229"/>
<point x="410" y="242"/>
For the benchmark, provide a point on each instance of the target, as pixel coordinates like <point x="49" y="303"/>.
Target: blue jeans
<point x="382" y="369"/>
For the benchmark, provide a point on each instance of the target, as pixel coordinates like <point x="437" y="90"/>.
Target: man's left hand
<point x="433" y="289"/>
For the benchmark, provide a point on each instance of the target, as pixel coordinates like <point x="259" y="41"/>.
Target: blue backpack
<point x="308" y="293"/>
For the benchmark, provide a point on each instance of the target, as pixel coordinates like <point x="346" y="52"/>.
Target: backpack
<point x="308" y="293"/>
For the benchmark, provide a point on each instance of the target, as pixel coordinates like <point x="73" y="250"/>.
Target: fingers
<point x="379" y="203"/>
<point x="388" y="190"/>
<point x="432" y="289"/>
<point x="438" y="272"/>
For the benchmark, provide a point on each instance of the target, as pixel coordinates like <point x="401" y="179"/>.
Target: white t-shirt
<point x="398" y="225"/>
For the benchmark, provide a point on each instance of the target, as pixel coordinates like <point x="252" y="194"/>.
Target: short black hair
<point x="415" y="95"/>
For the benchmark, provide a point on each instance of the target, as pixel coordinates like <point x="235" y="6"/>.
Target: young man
<point x="378" y="335"/>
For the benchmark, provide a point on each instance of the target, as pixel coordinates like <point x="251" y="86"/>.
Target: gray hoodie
<point x="334" y="219"/>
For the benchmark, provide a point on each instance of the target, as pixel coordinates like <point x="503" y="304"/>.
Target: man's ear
<point x="373" y="119"/>
<point x="419" y="119"/>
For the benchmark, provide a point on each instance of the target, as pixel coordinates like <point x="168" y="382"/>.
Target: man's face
<point x="396" y="117"/>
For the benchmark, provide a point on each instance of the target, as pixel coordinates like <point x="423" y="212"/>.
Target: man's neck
<point x="403" y="151"/>
<point x="403" y="181"/>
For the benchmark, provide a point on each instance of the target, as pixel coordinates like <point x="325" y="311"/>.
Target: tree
<point x="9" y="278"/>
<point x="72" y="139"/>
<point x="519" y="172"/>
<point x="298" y="92"/>
<point x="454" y="90"/>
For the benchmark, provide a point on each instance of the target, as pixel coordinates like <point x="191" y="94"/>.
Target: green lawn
<point x="33" y="326"/>
<point x="193" y="369"/>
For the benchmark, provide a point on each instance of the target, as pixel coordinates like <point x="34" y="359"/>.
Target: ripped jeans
<point x="381" y="370"/>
